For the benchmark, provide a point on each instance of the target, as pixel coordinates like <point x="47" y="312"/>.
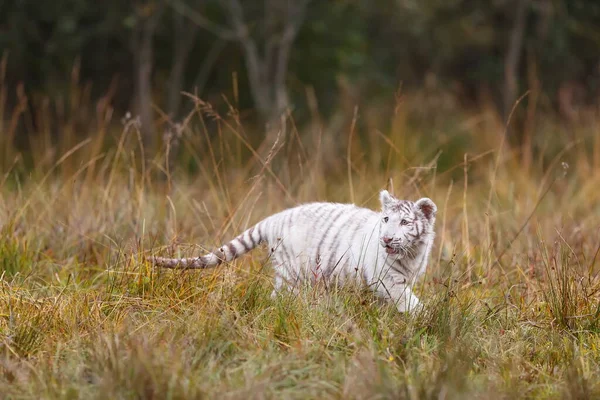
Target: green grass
<point x="511" y="294"/>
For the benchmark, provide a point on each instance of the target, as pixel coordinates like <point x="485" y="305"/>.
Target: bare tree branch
<point x="197" y="18"/>
<point x="209" y="61"/>
<point x="266" y="51"/>
<point x="185" y="37"/>
<point x="295" y="17"/>
<point x="253" y="61"/>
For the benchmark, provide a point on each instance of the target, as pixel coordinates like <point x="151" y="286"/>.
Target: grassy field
<point x="511" y="294"/>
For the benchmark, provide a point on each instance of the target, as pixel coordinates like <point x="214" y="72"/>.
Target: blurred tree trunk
<point x="183" y="43"/>
<point x="267" y="69"/>
<point x="266" y="45"/>
<point x="207" y="66"/>
<point x="513" y="56"/>
<point x="184" y="40"/>
<point x="142" y="44"/>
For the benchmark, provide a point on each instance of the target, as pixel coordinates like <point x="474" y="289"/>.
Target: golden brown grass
<point x="511" y="294"/>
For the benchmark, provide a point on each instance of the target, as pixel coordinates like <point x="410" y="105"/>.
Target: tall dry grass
<point x="511" y="294"/>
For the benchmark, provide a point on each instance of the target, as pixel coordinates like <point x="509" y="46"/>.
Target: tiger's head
<point x="405" y="224"/>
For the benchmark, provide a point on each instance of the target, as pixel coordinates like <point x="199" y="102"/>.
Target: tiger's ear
<point x="386" y="199"/>
<point x="427" y="207"/>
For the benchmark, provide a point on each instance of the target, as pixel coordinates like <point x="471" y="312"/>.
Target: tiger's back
<point x="318" y="240"/>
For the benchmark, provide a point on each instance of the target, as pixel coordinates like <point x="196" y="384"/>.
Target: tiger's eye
<point x="404" y="222"/>
<point x="386" y="219"/>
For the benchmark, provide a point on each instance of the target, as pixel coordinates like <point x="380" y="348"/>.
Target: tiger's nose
<point x="386" y="239"/>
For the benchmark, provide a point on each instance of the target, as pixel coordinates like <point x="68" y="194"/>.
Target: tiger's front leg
<point x="399" y="292"/>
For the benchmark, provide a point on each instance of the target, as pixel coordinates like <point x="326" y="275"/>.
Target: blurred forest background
<point x="166" y="127"/>
<point x="316" y="59"/>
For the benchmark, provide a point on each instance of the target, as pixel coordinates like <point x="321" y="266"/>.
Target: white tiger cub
<point x="386" y="250"/>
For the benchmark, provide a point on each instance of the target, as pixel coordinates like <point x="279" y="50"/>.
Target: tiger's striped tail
<point x="242" y="244"/>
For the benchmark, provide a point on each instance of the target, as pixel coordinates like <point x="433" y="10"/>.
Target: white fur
<point x="340" y="242"/>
